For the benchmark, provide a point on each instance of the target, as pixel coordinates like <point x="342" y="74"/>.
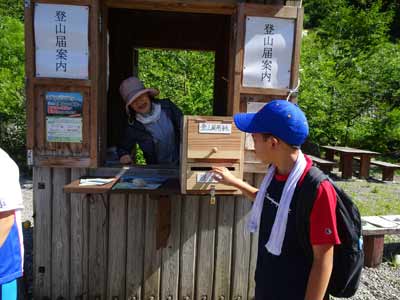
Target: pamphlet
<point x="139" y="183"/>
<point x="94" y="181"/>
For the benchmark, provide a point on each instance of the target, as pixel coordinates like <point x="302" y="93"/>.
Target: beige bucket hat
<point x="131" y="88"/>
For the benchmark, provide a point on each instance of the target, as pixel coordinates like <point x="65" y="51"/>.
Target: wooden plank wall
<point x="104" y="247"/>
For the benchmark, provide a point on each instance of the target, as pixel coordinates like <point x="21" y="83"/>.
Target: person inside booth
<point x="153" y="124"/>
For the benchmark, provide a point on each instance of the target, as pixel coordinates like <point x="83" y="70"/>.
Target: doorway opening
<point x="184" y="55"/>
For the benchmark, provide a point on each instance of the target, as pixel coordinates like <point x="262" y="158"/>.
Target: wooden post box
<point x="209" y="141"/>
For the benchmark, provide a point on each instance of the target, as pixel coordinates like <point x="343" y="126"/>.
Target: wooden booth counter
<point x="139" y="245"/>
<point x="127" y="179"/>
<point x="170" y="242"/>
<point x="158" y="183"/>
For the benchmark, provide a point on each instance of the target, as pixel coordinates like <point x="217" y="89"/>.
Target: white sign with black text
<point x="215" y="128"/>
<point x="61" y="40"/>
<point x="268" y="52"/>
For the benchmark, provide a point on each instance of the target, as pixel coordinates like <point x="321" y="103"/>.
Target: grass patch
<point x="373" y="198"/>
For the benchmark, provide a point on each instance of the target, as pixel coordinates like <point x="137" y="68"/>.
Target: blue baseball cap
<point x="280" y="118"/>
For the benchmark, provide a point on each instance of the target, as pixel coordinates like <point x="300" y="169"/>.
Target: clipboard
<point x="75" y="187"/>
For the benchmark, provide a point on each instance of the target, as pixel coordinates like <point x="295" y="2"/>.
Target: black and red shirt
<point x="285" y="277"/>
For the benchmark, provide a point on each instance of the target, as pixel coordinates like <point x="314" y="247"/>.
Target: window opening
<point x="186" y="77"/>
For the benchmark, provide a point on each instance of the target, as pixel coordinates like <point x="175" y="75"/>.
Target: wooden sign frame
<point x="257" y="10"/>
<point x="90" y="151"/>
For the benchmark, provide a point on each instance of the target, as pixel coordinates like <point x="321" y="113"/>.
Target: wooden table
<point x="346" y="159"/>
<point x="374" y="229"/>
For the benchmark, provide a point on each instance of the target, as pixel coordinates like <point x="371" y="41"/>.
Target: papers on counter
<point x="139" y="182"/>
<point x="94" y="181"/>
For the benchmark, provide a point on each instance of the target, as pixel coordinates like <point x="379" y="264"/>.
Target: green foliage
<point x="139" y="156"/>
<point x="185" y="77"/>
<point x="11" y="66"/>
<point x="358" y="30"/>
<point x="316" y="10"/>
<point x="12" y="8"/>
<point x="351" y="79"/>
<point x="12" y="109"/>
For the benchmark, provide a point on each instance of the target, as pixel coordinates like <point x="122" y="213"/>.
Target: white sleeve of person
<point x="10" y="189"/>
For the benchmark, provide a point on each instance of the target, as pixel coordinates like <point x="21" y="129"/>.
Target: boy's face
<point x="263" y="145"/>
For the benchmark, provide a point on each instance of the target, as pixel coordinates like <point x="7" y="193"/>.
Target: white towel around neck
<point x="275" y="241"/>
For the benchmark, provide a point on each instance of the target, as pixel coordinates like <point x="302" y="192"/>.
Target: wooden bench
<point x="374" y="229"/>
<point x="387" y="168"/>
<point x="325" y="165"/>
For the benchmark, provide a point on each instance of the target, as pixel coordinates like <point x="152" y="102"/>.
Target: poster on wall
<point x="268" y="52"/>
<point x="61" y="40"/>
<point x="64" y="117"/>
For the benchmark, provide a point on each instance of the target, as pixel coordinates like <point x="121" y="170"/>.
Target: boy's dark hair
<point x="266" y="136"/>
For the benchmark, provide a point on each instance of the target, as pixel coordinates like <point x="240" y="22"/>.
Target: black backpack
<point x="348" y="257"/>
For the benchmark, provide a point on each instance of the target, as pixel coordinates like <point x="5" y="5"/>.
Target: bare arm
<point x="6" y="223"/>
<point x="223" y="175"/>
<point x="320" y="272"/>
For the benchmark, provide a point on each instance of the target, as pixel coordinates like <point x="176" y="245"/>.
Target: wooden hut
<point x="112" y="246"/>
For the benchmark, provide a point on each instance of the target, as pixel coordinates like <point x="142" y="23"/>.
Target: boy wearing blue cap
<point x="283" y="271"/>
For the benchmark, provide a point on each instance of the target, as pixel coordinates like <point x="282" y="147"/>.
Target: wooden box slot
<point x="200" y="178"/>
<point x="209" y="141"/>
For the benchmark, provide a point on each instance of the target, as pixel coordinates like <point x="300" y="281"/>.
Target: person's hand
<point x="125" y="159"/>
<point x="223" y="175"/>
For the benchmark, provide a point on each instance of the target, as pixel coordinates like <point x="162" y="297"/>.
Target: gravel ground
<point x="27" y="192"/>
<point x="27" y="215"/>
<point x="382" y="283"/>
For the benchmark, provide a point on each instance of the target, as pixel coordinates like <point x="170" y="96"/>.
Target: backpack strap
<point x="306" y="194"/>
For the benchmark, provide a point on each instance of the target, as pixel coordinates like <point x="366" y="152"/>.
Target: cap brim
<point x="244" y="122"/>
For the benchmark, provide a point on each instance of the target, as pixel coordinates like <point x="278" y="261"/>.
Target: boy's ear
<point x="274" y="141"/>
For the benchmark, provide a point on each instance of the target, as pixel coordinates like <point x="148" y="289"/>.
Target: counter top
<point x="169" y="178"/>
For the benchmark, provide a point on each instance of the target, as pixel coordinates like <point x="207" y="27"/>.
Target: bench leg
<point x="387" y="174"/>
<point x="364" y="166"/>
<point x="329" y="154"/>
<point x="347" y="165"/>
<point x="373" y="250"/>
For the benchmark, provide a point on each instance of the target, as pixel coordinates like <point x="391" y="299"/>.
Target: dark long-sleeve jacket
<point x="137" y="133"/>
